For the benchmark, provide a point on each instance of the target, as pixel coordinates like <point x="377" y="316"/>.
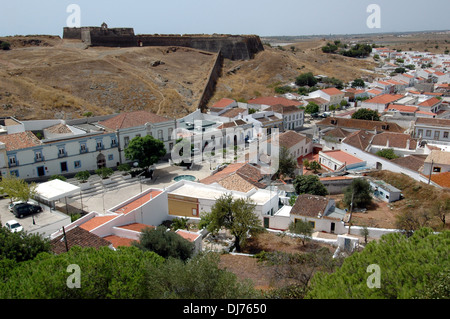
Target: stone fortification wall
<point x="234" y="47"/>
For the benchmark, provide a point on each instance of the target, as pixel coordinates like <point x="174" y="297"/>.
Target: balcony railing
<point x="62" y="154"/>
<point x="39" y="159"/>
<point x="100" y="147"/>
<point x="83" y="150"/>
<point x="14" y="164"/>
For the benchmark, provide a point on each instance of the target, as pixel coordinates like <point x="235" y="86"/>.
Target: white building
<point x="432" y="129"/>
<point x="140" y="123"/>
<point x="64" y="149"/>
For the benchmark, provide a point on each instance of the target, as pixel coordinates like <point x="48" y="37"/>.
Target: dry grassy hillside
<point x="276" y="66"/>
<point x="47" y="77"/>
<point x="64" y="79"/>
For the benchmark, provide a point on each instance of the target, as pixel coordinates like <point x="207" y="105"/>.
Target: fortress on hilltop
<point x="234" y="47"/>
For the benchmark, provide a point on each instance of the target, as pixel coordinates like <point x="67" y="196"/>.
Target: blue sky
<point x="261" y="17"/>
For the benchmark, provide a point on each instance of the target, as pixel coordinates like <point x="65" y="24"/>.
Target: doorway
<point x="333" y="226"/>
<point x="41" y="171"/>
<point x="101" y="161"/>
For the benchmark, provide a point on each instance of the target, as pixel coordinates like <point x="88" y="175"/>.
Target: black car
<point x="22" y="210"/>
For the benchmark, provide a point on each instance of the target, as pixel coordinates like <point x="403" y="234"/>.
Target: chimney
<point x="407" y="144"/>
<point x="387" y="143"/>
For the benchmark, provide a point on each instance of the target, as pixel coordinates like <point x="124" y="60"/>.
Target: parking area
<point x="45" y="222"/>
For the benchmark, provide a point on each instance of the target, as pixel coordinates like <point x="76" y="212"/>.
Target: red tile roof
<point x="223" y="103"/>
<point x="397" y="140"/>
<point x="141" y="200"/>
<point x="132" y="119"/>
<point x="19" y="141"/>
<point x="96" y="221"/>
<point x="384" y="98"/>
<point x="77" y="237"/>
<point x="290" y="138"/>
<point x="332" y="91"/>
<point x="430" y="102"/>
<point x="136" y="226"/>
<point x="117" y="241"/>
<point x="343" y="157"/>
<point x="442" y="179"/>
<point x="309" y="205"/>
<point x="274" y="101"/>
<point x="187" y="235"/>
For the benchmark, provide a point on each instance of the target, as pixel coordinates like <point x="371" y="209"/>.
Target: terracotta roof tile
<point x="117" y="241"/>
<point x="231" y="113"/>
<point x="223" y="103"/>
<point x="132" y="119"/>
<point x="430" y="102"/>
<point x="19" y="141"/>
<point x="433" y="122"/>
<point x="309" y="205"/>
<point x="136" y="226"/>
<point x="359" y="139"/>
<point x="332" y="91"/>
<point x="274" y="101"/>
<point x="398" y="140"/>
<point x="361" y="124"/>
<point x="187" y="234"/>
<point x="77" y="237"/>
<point x="343" y="157"/>
<point x="384" y="98"/>
<point x="96" y="221"/>
<point x="442" y="179"/>
<point x="412" y="162"/>
<point x="58" y="129"/>
<point x="283" y="109"/>
<point x="290" y="138"/>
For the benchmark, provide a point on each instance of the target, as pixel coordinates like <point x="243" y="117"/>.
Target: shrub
<point x="104" y="172"/>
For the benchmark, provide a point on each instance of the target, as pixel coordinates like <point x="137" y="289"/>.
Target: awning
<point x="55" y="190"/>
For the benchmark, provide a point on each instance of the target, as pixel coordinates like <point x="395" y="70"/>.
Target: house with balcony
<point x="63" y="149"/>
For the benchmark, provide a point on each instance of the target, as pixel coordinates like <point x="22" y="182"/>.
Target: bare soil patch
<point x="245" y="267"/>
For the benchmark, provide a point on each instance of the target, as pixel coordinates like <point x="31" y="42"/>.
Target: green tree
<point x="311" y="108"/>
<point x="200" y="277"/>
<point x="236" y="215"/>
<point x="387" y="153"/>
<point x="358" y="194"/>
<point x="104" y="172"/>
<point x="83" y="176"/>
<point x="21" y="246"/>
<point x="145" y="150"/>
<point x="302" y="228"/>
<point x="315" y="166"/>
<point x="16" y="188"/>
<point x="358" y="83"/>
<point x="408" y="268"/>
<point x="306" y="79"/>
<point x="179" y="223"/>
<point x="104" y="273"/>
<point x="286" y="163"/>
<point x="366" y="114"/>
<point x="5" y="45"/>
<point x="165" y="243"/>
<point x="309" y="184"/>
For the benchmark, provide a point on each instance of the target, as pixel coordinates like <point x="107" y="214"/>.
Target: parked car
<point x="13" y="226"/>
<point x="30" y="201"/>
<point x="25" y="209"/>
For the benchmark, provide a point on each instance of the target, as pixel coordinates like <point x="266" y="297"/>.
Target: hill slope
<point x="46" y="77"/>
<point x="64" y="79"/>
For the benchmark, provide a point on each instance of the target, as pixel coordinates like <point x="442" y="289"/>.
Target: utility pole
<point x="431" y="171"/>
<point x="65" y="239"/>
<point x="351" y="209"/>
